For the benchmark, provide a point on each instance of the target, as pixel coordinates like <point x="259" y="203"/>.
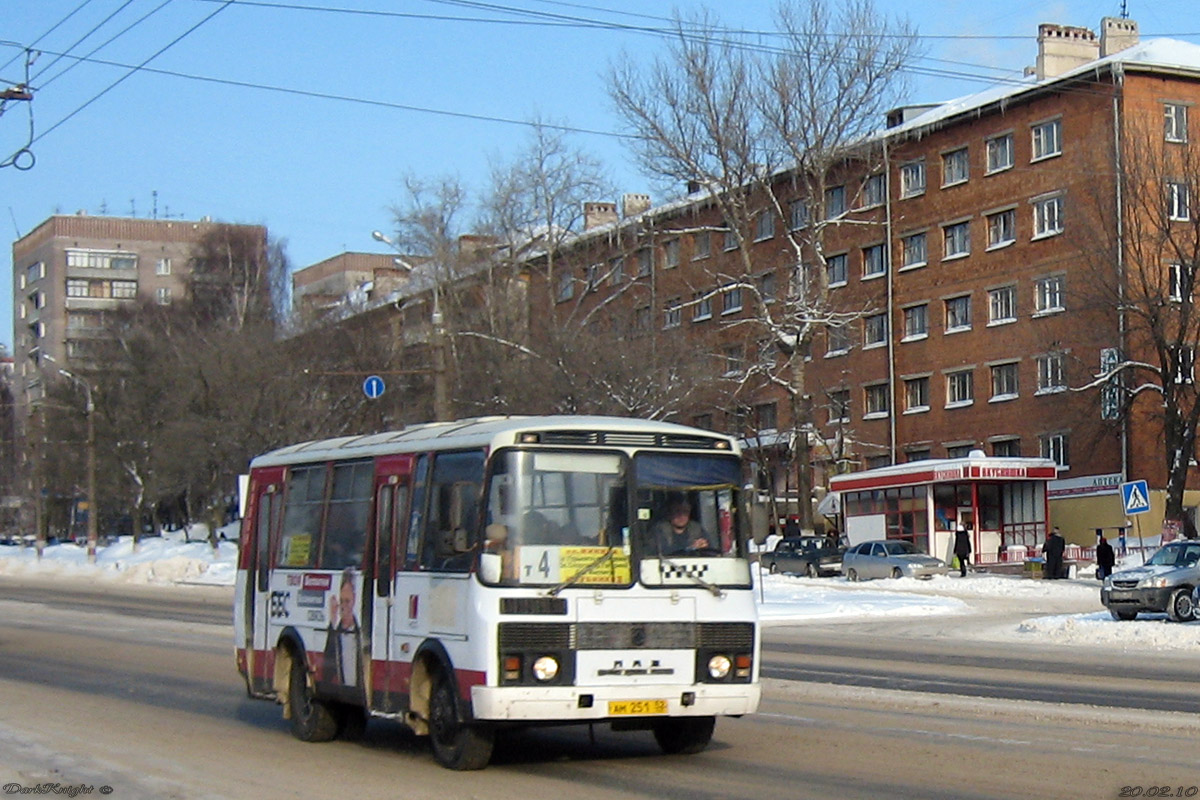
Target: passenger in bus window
<point x="678" y="533"/>
<point x="340" y="665"/>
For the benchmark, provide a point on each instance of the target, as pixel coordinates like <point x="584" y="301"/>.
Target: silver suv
<point x="1163" y="583"/>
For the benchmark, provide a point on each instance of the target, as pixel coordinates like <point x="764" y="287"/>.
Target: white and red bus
<point x="471" y="576"/>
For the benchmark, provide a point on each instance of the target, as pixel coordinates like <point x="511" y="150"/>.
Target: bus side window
<point x="349" y="512"/>
<point x="302" y="517"/>
<point x="416" y="526"/>
<point x="453" y="511"/>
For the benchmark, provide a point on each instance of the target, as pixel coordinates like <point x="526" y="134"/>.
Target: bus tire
<point x="312" y="720"/>
<point x="684" y="735"/>
<point x="456" y="745"/>
<point x="351" y="721"/>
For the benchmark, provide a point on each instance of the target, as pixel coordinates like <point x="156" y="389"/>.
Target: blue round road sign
<point x="373" y="386"/>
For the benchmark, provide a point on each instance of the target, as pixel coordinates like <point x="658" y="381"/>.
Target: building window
<point x="1004" y="382"/>
<point x="874" y="261"/>
<point x="958" y="314"/>
<point x="999" y="153"/>
<point x="733" y="359"/>
<point x="798" y="212"/>
<point x="673" y="314"/>
<point x="1185" y="366"/>
<point x="958" y="450"/>
<point x="765" y="416"/>
<point x="764" y="226"/>
<point x="960" y="388"/>
<point x="916" y="395"/>
<point x="918" y="454"/>
<point x="875" y="330"/>
<point x="916" y="322"/>
<point x="702" y="306"/>
<point x="1176" y="280"/>
<point x="641" y="319"/>
<point x="1047" y="139"/>
<point x="162" y="266"/>
<point x="124" y="289"/>
<point x="87" y="259"/>
<point x="731" y="238"/>
<point x="1002" y="228"/>
<point x="912" y="179"/>
<point x="1006" y="448"/>
<point x="1175" y="119"/>
<point x="913" y="251"/>
<point x="874" y="191"/>
<point x="835" y="202"/>
<point x="38" y="299"/>
<point x="1052" y="371"/>
<point x="645" y="262"/>
<point x="701" y="245"/>
<point x="594" y="273"/>
<point x="162" y="295"/>
<point x="1054" y="447"/>
<point x="957" y="240"/>
<point x="670" y="253"/>
<point x="839" y="406"/>
<point x="1178" y="205"/>
<point x="1047" y="216"/>
<point x="835" y="266"/>
<point x="767" y="286"/>
<point x="1002" y="305"/>
<point x="77" y="287"/>
<point x="1049" y="294"/>
<point x="731" y="300"/>
<point x="34" y="272"/>
<point x="875" y="400"/>
<point x="955" y="167"/>
<point x="616" y="271"/>
<point x="838" y="340"/>
<point x="566" y="285"/>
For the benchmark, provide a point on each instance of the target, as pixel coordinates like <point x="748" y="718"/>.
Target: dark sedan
<point x="804" y="555"/>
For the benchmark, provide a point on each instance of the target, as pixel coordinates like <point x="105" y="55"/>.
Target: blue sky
<point x="321" y="173"/>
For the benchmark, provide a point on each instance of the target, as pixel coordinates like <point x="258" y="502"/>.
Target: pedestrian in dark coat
<point x="1105" y="559"/>
<point x="962" y="549"/>
<point x="1052" y="550"/>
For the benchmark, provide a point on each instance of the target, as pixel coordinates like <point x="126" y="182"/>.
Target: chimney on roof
<point x="634" y="204"/>
<point x="1062" y="48"/>
<point x="1117" y="34"/>
<point x="598" y="213"/>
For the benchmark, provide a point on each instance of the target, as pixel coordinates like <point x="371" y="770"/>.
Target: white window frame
<point x="958" y="313"/>
<point x="960" y="388"/>
<point x="1000" y="153"/>
<point x="875" y="401"/>
<point x="1178" y="201"/>
<point x="162" y="295"/>
<point x="1048" y="295"/>
<point x="731" y="299"/>
<point x="1187" y="358"/>
<point x="912" y="179"/>
<point x="1047" y="216"/>
<point x="1175" y="282"/>
<point x="916" y="394"/>
<point x="1046" y="139"/>
<point x="1175" y="122"/>
<point x="874" y="261"/>
<point x="950" y="236"/>
<point x="912" y="313"/>
<point x="909" y="250"/>
<point x="1055" y="446"/>
<point x="671" y="248"/>
<point x="844" y="260"/>
<point x="835" y="202"/>
<point x="1001" y="228"/>
<point x="1005" y="381"/>
<point x="837" y="340"/>
<point x="874" y="190"/>
<point x="875" y="330"/>
<point x="1052" y="373"/>
<point x="162" y="266"/>
<point x="956" y="167"/>
<point x="703" y="307"/>
<point x="1002" y="305"/>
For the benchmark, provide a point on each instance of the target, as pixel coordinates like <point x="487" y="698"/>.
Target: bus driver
<point x="678" y="533"/>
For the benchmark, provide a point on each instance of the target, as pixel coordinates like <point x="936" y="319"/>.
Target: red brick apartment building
<point x="979" y="262"/>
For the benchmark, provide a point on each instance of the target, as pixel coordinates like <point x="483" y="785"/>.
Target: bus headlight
<point x="545" y="668"/>
<point x="719" y="666"/>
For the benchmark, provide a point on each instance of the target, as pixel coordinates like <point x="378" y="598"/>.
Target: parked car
<point x="889" y="558"/>
<point x="1164" y="583"/>
<point x="804" y="555"/>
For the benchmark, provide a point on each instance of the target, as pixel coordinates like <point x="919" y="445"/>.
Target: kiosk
<point x="1003" y="501"/>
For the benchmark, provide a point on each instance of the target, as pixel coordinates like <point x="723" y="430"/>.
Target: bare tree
<point x="765" y="131"/>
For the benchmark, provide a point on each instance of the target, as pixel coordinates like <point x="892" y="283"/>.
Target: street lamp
<point x="93" y="531"/>
<point x="441" y="394"/>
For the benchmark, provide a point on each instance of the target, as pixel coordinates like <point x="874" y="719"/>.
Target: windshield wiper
<point x="574" y="579"/>
<point x="717" y="591"/>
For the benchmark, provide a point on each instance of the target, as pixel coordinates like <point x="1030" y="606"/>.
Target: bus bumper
<point x="584" y="703"/>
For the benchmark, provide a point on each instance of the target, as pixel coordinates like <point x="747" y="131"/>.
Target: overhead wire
<point x="47" y="32"/>
<point x="85" y="37"/>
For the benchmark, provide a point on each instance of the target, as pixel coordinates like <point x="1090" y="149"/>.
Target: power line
<point x="100" y="46"/>
<point x="84" y="38"/>
<point x="49" y="31"/>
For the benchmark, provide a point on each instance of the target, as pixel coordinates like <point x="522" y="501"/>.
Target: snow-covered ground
<point x="1068" y="612"/>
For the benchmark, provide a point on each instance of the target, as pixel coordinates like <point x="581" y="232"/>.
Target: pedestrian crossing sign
<point x="1136" y="497"/>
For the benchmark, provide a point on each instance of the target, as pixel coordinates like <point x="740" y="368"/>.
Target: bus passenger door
<point x="392" y="478"/>
<point x="268" y="507"/>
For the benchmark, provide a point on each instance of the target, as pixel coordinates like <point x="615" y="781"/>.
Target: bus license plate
<point x="626" y="708"/>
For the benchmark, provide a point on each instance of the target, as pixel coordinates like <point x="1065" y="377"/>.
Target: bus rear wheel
<point x="312" y="720"/>
<point x="456" y="745"/>
<point x="684" y="735"/>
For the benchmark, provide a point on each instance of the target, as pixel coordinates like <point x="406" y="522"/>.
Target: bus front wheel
<point x="684" y="735"/>
<point x="312" y="719"/>
<point x="456" y="745"/>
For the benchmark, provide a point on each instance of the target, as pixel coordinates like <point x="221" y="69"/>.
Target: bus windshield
<point x="556" y="518"/>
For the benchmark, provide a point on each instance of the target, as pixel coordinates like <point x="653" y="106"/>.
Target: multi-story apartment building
<point x="986" y="265"/>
